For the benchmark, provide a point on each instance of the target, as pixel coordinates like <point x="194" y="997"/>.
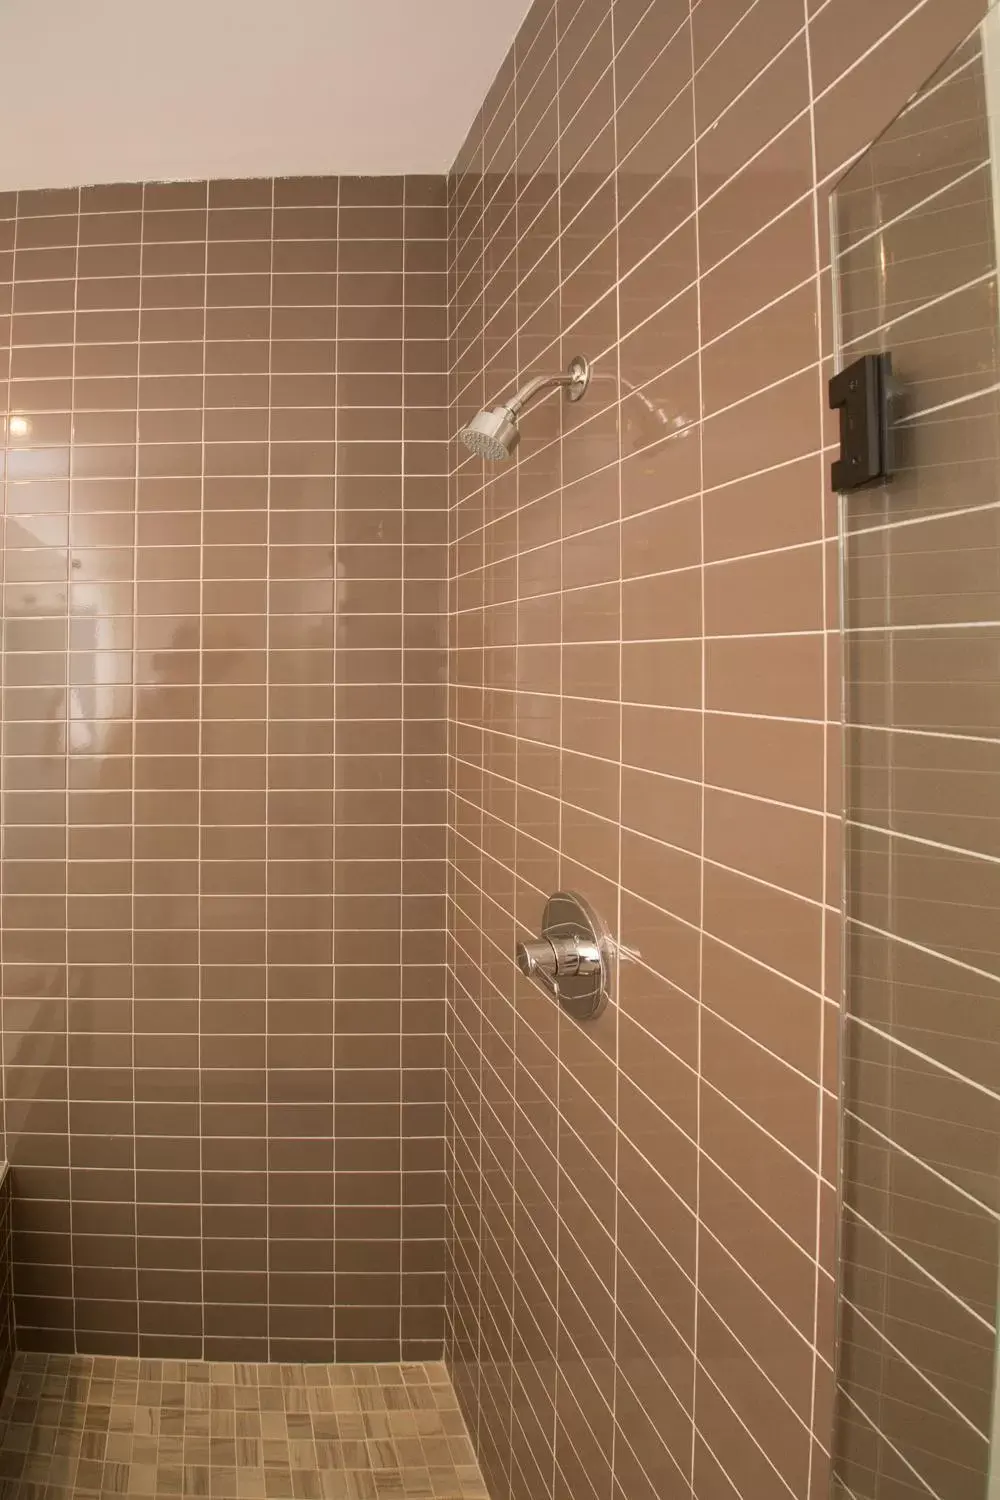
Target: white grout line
<point x="921" y="733"/>
<point x="516" y="783"/>
<point x="941" y="1177"/>
<point x="931" y="630"/>
<point x="936" y="953"/>
<point x="907" y="213"/>
<point x="892" y="1039"/>
<point x="922" y="1270"/>
<point x="884" y="36"/>
<point x="928" y="518"/>
<point x="706" y="1372"/>
<point x="133" y="743"/>
<point x="267" y="786"/>
<point x="926" y="93"/>
<point x="902" y="835"/>
<point x="921" y="1374"/>
<point x="872" y="335"/>
<point x="882" y="1438"/>
<point x="930" y="411"/>
<point x="200" y="798"/>
<point x="716" y="192"/>
<point x="699" y="1058"/>
<point x="8" y="1271"/>
<point x="67" y="751"/>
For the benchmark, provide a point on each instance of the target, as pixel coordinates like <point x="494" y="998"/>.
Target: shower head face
<point x="492" y="434"/>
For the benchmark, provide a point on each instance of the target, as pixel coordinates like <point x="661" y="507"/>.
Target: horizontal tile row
<point x="915" y="265"/>
<point x="223" y="946"/>
<point x="644" y="705"/>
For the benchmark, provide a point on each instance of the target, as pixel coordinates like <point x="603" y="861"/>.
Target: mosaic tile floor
<point x="74" y="1425"/>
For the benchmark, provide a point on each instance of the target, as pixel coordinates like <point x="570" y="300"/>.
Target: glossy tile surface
<point x="6" y="1279"/>
<point x="75" y="1425"/>
<point x="915" y="261"/>
<point x="644" y="705"/>
<point x="223" y="766"/>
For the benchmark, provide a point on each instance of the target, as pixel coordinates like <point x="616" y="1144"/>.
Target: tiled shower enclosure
<point x="645" y="696"/>
<point x="305" y="713"/>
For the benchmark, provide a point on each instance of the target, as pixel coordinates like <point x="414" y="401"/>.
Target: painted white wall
<point x="129" y="90"/>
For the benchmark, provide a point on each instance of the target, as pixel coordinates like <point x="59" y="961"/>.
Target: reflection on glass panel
<point x="915" y="274"/>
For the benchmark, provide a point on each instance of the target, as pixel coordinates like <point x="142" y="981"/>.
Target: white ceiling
<point x="129" y="90"/>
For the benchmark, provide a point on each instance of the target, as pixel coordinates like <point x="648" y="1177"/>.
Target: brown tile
<point x="542" y="714"/>
<point x="767" y="186"/>
<point x="165" y="945"/>
<point x="779" y="929"/>
<point x="851" y="112"/>
<point x="777" y="675"/>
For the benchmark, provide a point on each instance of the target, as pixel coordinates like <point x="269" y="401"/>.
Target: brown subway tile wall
<point x="224" y="766"/>
<point x="916" y="274"/>
<point x="644" y="704"/>
<point x="6" y="1278"/>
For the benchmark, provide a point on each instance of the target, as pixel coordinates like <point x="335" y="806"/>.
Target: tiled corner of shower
<point x="6" y="1276"/>
<point x="78" y="1425"/>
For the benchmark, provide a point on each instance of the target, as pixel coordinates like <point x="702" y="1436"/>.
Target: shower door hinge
<point x="861" y="393"/>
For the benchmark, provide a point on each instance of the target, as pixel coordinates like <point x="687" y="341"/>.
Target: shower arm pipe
<point x="575" y="378"/>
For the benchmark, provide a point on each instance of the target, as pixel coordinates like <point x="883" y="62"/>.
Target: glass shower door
<point x="915" y="274"/>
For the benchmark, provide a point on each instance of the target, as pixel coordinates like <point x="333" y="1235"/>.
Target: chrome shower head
<point x="492" y="434"/>
<point x="495" y="434"/>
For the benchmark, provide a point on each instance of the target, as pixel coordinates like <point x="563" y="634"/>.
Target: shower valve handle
<point x="548" y="959"/>
<point x="571" y="960"/>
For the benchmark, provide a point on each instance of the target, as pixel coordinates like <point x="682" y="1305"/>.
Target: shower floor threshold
<point x="78" y="1425"/>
